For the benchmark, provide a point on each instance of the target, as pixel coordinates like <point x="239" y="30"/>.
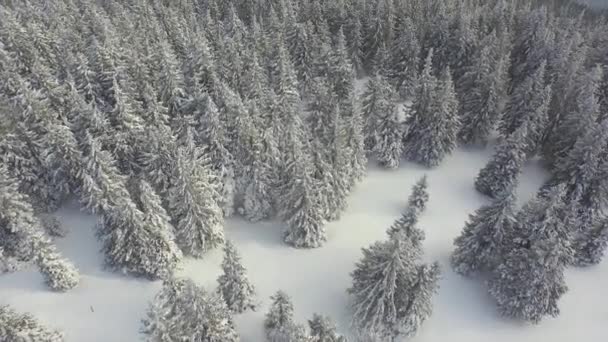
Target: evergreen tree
<point x="24" y="327"/>
<point x="502" y="171"/>
<point x="583" y="172"/>
<point x="354" y="139"/>
<point x="322" y="329"/>
<point x="391" y="293"/>
<point x="406" y="225"/>
<point x="388" y="142"/>
<point x="405" y="52"/>
<point x="192" y="202"/>
<point x="481" y="91"/>
<point x="484" y="238"/>
<point x="22" y="237"/>
<point x="233" y="283"/>
<point x="419" y="196"/>
<point x="524" y="101"/>
<point x="279" y="323"/>
<point x="377" y="104"/>
<point x="433" y="124"/>
<point x="184" y="311"/>
<point x="530" y="279"/>
<point x="573" y="125"/>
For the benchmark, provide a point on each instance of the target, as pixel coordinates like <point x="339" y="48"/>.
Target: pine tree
<point x="502" y="171"/>
<point x="391" y="293"/>
<point x="481" y="91"/>
<point x="300" y="206"/>
<point x="524" y="101"/>
<point x="257" y="201"/>
<point x="406" y="225"/>
<point x="433" y="124"/>
<point x="419" y="196"/>
<point x="377" y="101"/>
<point x="340" y="71"/>
<point x="322" y="329"/>
<point x="192" y="202"/>
<point x="233" y="283"/>
<point x="389" y="145"/>
<point x="279" y="323"/>
<point x="583" y="172"/>
<point x="24" y="327"/>
<point x="405" y="52"/>
<point x="483" y="239"/>
<point x="530" y="279"/>
<point x="184" y="311"/>
<point x="573" y="124"/>
<point x="354" y="139"/>
<point x="22" y="237"/>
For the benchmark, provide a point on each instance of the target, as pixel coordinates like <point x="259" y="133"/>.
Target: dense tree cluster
<point x="184" y="311"/>
<point x="19" y="327"/>
<point x="392" y="289"/>
<point x="165" y="117"/>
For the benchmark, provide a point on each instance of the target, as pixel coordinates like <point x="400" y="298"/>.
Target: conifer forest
<point x="303" y="170"/>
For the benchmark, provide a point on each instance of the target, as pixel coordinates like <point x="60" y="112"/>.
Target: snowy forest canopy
<point x="164" y="117"/>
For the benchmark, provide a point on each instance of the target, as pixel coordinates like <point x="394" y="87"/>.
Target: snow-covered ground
<point x="107" y="307"/>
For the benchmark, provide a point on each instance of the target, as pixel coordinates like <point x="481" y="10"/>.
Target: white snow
<point x="107" y="307"/>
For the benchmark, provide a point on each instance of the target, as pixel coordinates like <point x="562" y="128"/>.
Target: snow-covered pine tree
<point x="502" y="171"/>
<point x="434" y="123"/>
<point x="531" y="46"/>
<point x="300" y="203"/>
<point x="405" y="53"/>
<point x="529" y="281"/>
<point x="584" y="173"/>
<point x="235" y="288"/>
<point x="377" y="101"/>
<point x="481" y="91"/>
<point x="257" y="201"/>
<point x="17" y="327"/>
<point x="389" y="145"/>
<point x="23" y="239"/>
<point x="391" y="292"/>
<point x="340" y="73"/>
<point x="419" y="196"/>
<point x="354" y="139"/>
<point x="279" y="324"/>
<point x="406" y="225"/>
<point x="184" y="311"/>
<point x="524" y="100"/>
<point x="482" y="242"/>
<point x="323" y="329"/>
<point x="193" y="207"/>
<point x="160" y="229"/>
<point x="572" y="125"/>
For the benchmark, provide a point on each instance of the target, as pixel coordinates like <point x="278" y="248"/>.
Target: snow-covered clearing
<point x="107" y="307"/>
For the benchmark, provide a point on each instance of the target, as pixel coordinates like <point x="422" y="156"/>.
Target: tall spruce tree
<point x="22" y="237"/>
<point x="391" y="292"/>
<point x="184" y="311"/>
<point x="279" y="323"/>
<point x="234" y="286"/>
<point x="502" y="171"/>
<point x="192" y="202"/>
<point x="389" y="146"/>
<point x="432" y="126"/>
<point x="322" y="329"/>
<point x="419" y="196"/>
<point x="19" y="327"/>
<point x="481" y="92"/>
<point x="378" y="101"/>
<point x="530" y="279"/>
<point x="405" y="53"/>
<point x="484" y="238"/>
